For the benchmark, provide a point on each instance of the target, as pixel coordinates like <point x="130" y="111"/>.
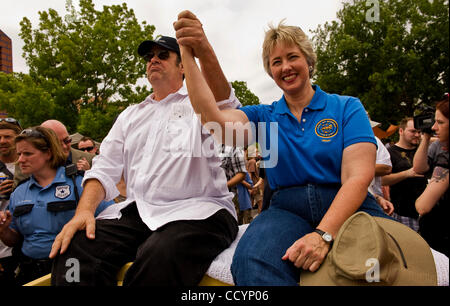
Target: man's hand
<point x="189" y="33"/>
<point x="5" y="220"/>
<point x="411" y="173"/>
<point x="83" y="164"/>
<point x="308" y="252"/>
<point x="386" y="205"/>
<point x="6" y="186"/>
<point x="83" y="220"/>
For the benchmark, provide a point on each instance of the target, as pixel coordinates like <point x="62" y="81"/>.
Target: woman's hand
<point x="308" y="252"/>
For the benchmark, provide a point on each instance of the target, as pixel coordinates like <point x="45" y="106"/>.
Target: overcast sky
<point x="235" y="28"/>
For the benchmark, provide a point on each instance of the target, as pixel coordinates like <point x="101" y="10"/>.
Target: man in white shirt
<point x="383" y="167"/>
<point x="179" y="214"/>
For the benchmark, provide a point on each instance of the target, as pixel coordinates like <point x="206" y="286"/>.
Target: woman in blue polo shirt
<point x="319" y="153"/>
<point x="43" y="204"/>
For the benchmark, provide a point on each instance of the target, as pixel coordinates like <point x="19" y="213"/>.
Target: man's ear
<point x="182" y="69"/>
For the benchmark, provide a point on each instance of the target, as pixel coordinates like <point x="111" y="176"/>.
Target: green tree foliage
<point x="24" y="99"/>
<point x="392" y="61"/>
<point x="245" y="96"/>
<point x="86" y="61"/>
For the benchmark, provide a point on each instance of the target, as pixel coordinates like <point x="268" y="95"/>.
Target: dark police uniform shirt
<point x="39" y="213"/>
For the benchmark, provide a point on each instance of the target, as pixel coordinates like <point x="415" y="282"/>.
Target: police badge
<point x="62" y="192"/>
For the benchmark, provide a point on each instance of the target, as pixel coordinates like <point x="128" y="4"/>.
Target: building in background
<point x="6" y="64"/>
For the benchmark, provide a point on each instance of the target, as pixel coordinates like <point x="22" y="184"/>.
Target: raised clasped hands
<point x="189" y="33"/>
<point x="307" y="252"/>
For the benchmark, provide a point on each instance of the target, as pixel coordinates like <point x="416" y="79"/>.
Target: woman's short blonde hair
<point x="45" y="140"/>
<point x="289" y="35"/>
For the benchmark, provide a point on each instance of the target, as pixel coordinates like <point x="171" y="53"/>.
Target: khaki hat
<point x="375" y="251"/>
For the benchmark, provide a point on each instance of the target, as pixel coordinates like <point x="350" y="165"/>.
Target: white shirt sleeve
<point x="108" y="166"/>
<point x="383" y="156"/>
<point x="231" y="102"/>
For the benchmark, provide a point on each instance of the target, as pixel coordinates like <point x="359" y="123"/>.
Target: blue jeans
<point x="293" y="213"/>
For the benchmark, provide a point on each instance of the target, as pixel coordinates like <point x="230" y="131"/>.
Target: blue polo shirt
<point x="309" y="151"/>
<point x="39" y="213"/>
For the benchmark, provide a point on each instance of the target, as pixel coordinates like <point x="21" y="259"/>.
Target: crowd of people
<point x="146" y="195"/>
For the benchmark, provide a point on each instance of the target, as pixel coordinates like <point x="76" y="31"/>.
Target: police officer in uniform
<point x="43" y="204"/>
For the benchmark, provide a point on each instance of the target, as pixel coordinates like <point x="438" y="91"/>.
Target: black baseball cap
<point x="167" y="42"/>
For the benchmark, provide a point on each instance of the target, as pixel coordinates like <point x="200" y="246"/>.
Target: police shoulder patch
<point x="62" y="192"/>
<point x="326" y="128"/>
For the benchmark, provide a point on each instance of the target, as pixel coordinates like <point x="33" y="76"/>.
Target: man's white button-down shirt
<point x="168" y="159"/>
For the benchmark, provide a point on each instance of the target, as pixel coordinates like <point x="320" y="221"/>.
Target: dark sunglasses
<point x="10" y="120"/>
<point x="162" y="55"/>
<point x="67" y="140"/>
<point x="87" y="149"/>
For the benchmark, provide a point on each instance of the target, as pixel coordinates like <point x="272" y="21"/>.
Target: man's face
<point x="163" y="66"/>
<point x="87" y="146"/>
<point x="64" y="139"/>
<point x="7" y="146"/>
<point x="410" y="135"/>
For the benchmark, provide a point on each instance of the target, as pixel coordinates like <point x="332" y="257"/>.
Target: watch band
<point x="320" y="232"/>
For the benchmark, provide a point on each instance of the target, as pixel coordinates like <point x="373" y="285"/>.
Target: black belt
<point x="40" y="264"/>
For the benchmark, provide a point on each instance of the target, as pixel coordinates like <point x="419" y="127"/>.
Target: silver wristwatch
<point x="327" y="237"/>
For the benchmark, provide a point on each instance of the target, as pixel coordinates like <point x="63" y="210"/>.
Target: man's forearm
<point x="420" y="161"/>
<point x="394" y="178"/>
<point x="10" y="237"/>
<point x="214" y="75"/>
<point x="381" y="169"/>
<point x="93" y="194"/>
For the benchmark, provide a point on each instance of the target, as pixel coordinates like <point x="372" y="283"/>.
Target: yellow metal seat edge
<point x="46" y="279"/>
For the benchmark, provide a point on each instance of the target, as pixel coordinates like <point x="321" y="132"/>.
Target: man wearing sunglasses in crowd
<point x="9" y="129"/>
<point x="179" y="214"/>
<point x="87" y="144"/>
<point x="83" y="160"/>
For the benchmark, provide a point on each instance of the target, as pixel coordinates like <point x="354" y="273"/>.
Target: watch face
<point x="327" y="237"/>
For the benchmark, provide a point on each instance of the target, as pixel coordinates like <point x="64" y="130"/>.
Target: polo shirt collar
<point x="60" y="177"/>
<point x="317" y="103"/>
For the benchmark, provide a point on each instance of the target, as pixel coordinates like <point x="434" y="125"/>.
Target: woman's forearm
<point x="200" y="95"/>
<point x="358" y="168"/>
<point x="219" y="122"/>
<point x="347" y="201"/>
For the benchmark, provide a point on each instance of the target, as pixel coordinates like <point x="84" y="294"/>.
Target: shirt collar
<point x="60" y="177"/>
<point x="182" y="92"/>
<point x="316" y="102"/>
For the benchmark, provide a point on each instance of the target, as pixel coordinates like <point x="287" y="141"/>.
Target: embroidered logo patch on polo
<point x="326" y="128"/>
<point x="62" y="192"/>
